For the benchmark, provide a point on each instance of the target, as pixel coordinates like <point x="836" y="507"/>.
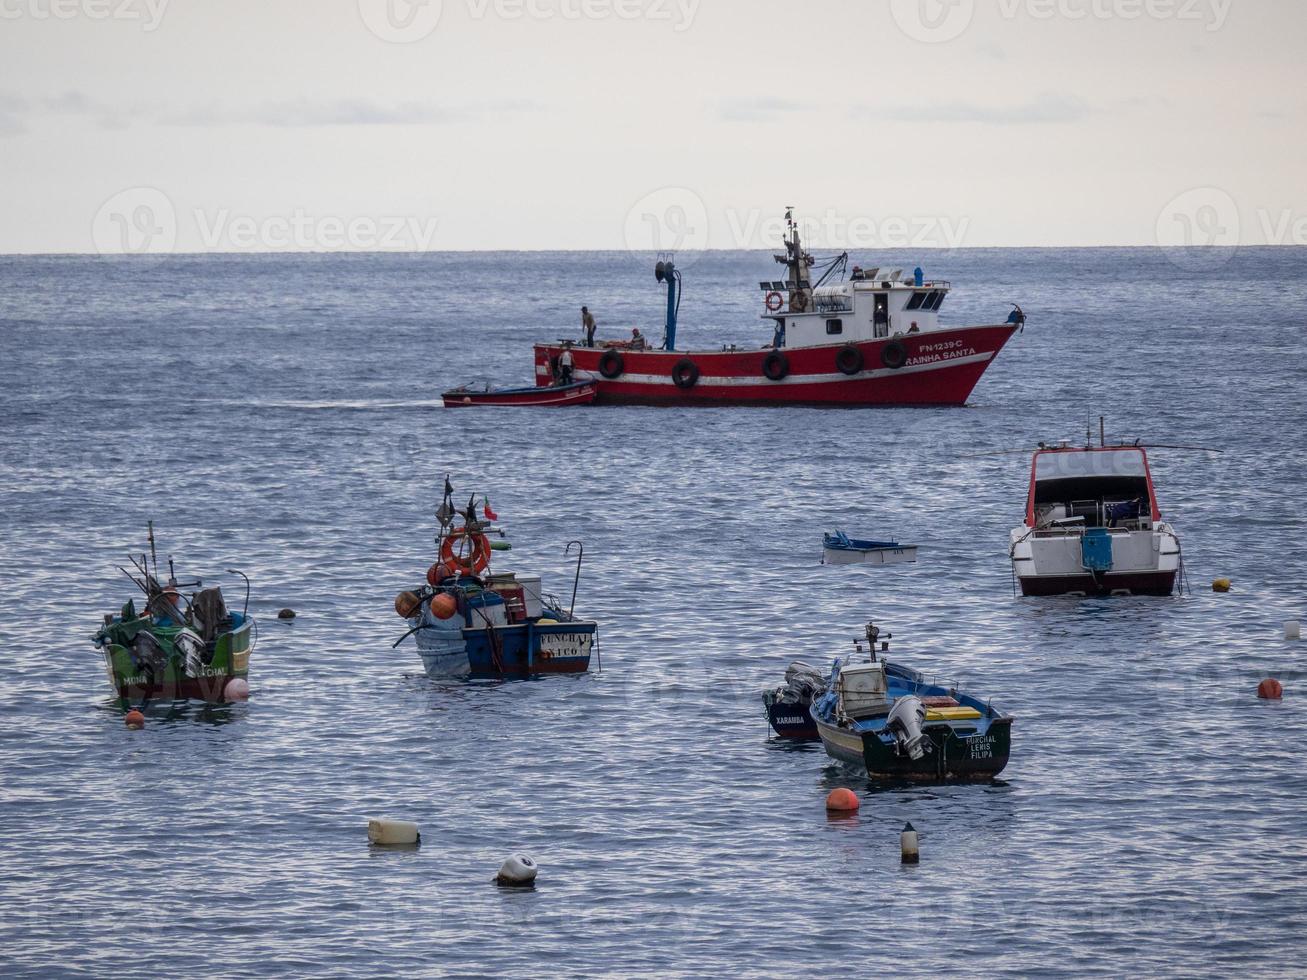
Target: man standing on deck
<point x="565" y="364"/>
<point x="588" y="323"/>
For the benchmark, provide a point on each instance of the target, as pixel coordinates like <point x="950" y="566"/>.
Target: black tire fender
<point x="611" y="365"/>
<point x="685" y="374"/>
<point x="849" y="360"/>
<point x="894" y="355"/>
<point x="775" y="366"/>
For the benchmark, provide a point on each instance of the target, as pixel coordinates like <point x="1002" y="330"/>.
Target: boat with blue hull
<point x="891" y="721"/>
<point x="469" y="622"/>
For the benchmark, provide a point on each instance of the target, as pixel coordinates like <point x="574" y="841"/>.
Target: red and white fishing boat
<point x="555" y="396"/>
<point x="873" y="339"/>
<point x="1093" y="526"/>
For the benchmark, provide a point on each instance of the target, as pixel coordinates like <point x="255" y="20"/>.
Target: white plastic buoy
<point x="237" y="689"/>
<point x="1293" y="630"/>
<point x="908" y="845"/>
<point x="518" y="870"/>
<point x="391" y="832"/>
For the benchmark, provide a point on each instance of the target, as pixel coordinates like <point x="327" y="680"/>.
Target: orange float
<point x="443" y="605"/>
<point x="842" y="801"/>
<point x="1270" y="690"/>
<point x="406" y="605"/>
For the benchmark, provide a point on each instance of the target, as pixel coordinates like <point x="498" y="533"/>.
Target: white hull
<point x="869" y="556"/>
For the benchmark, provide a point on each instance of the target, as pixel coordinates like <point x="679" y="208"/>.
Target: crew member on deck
<point x="637" y="339"/>
<point x="565" y="364"/>
<point x="588" y="324"/>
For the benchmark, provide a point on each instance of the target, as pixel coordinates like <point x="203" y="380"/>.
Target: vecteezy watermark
<point x="1199" y="229"/>
<point x="137" y="221"/>
<point x="406" y="21"/>
<point x="144" y="221"/>
<point x="933" y="21"/>
<point x="671" y="219"/>
<point x="400" y="21"/>
<point x="221" y="231"/>
<point x="148" y="12"/>
<point x="679" y="13"/>
<point x="1284" y="227"/>
<point x="834" y="230"/>
<point x="676" y="219"/>
<point x="937" y="21"/>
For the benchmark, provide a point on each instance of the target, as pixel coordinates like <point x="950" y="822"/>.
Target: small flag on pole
<point x="490" y="514"/>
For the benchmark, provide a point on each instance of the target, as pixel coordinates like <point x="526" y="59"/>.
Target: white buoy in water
<point x="908" y="845"/>
<point x="1293" y="630"/>
<point x="518" y="870"/>
<point x="392" y="832"/>
<point x="237" y="689"/>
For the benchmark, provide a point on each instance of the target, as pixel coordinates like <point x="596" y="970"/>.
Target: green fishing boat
<point x="182" y="644"/>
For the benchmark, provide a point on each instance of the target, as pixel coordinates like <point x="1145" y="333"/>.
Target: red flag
<point x="490" y="514"/>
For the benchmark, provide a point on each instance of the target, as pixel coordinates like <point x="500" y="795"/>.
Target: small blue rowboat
<point x="840" y="549"/>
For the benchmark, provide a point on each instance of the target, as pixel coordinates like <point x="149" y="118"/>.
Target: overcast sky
<point x="223" y="125"/>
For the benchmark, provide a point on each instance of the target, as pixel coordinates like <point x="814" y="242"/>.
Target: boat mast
<point x="798" y="266"/>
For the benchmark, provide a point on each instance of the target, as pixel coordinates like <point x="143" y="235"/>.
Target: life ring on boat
<point x="685" y="374"/>
<point x="894" y="355"/>
<point x="849" y="360"/>
<point x="474" y="563"/>
<point x="611" y="364"/>
<point x="775" y="366"/>
<point x="775" y="301"/>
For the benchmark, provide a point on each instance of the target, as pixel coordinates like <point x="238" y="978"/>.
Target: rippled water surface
<point x="281" y="415"/>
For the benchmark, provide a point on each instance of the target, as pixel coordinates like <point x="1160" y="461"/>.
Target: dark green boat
<point x="888" y="719"/>
<point x="180" y="645"/>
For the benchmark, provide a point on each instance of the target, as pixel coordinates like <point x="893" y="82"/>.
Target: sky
<point x="322" y="125"/>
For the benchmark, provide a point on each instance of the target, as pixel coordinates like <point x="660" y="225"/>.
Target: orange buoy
<point x="436" y="574"/>
<point x="842" y="801"/>
<point x="134" y="719"/>
<point x="1270" y="690"/>
<point x="407" y="605"/>
<point x="443" y="605"/>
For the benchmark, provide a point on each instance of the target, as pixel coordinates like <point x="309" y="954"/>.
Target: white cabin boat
<point x="1093" y="526"/>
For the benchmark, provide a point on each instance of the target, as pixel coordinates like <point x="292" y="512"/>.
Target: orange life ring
<point x="473" y="564"/>
<point x="775" y="301"/>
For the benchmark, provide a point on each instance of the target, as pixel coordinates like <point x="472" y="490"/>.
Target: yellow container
<point x="952" y="714"/>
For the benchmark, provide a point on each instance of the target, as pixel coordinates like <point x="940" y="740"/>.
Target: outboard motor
<point x="148" y="653"/>
<point x="191" y="647"/>
<point x="904" y="723"/>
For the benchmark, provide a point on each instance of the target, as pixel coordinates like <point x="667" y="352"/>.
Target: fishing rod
<point x="150" y="525"/>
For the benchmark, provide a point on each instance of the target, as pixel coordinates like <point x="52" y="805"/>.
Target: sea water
<point x="280" y="415"/>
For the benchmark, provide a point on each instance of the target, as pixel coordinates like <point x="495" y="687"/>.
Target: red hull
<point x="940" y="368"/>
<point x="1134" y="583"/>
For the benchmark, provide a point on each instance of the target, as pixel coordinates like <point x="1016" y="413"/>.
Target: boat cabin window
<point x="834" y="326"/>
<point x="934" y="301"/>
<point x="917" y="300"/>
<point x="1088" y="500"/>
